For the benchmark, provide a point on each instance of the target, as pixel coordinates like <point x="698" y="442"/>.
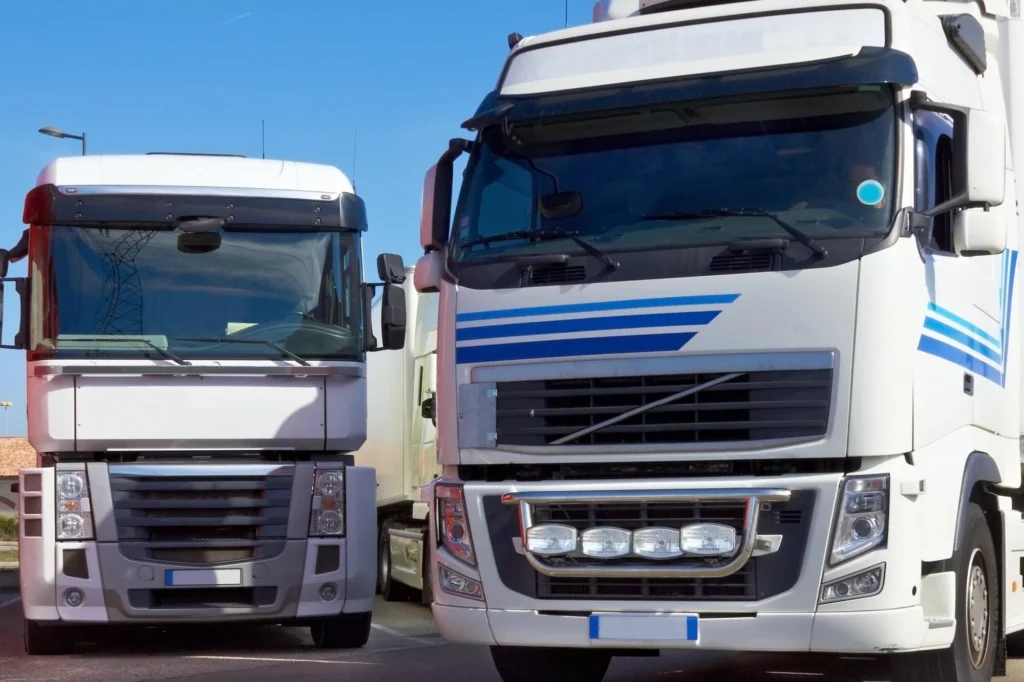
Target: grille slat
<point x="198" y="520"/>
<point x="754" y="406"/>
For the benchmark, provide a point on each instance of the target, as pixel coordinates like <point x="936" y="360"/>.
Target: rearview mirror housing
<point x="429" y="271"/>
<point x="390" y="268"/>
<point x="977" y="232"/>
<point x="979" y="155"/>
<point x="435" y="208"/>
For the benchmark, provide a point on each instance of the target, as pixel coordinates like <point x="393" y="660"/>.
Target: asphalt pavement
<point x="404" y="646"/>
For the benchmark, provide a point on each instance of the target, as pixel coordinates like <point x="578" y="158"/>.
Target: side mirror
<point x="979" y="155"/>
<point x="22" y="287"/>
<point x="435" y="209"/>
<point x="977" y="232"/>
<point x="5" y="262"/>
<point x="428" y="409"/>
<point x="985" y="159"/>
<point x="392" y="309"/>
<point x="429" y="268"/>
<point x="390" y="268"/>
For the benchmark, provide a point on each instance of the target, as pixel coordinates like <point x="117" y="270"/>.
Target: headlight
<point x="327" y="509"/>
<point x="74" y="510"/>
<point x="452" y="524"/>
<point x="862" y="519"/>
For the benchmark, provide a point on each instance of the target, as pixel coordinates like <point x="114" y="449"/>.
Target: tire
<point x="391" y="590"/>
<point x="47" y="640"/>
<point x="346" y="631"/>
<point x="536" y="664"/>
<point x="972" y="656"/>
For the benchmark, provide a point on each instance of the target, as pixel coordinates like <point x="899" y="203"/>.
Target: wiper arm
<point x="162" y="351"/>
<point x="799" y="234"/>
<point x="283" y="351"/>
<point x="547" y="234"/>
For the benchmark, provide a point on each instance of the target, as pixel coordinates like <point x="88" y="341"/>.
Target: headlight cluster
<point x="74" y="509"/>
<point x="861" y="523"/>
<point x="452" y="524"/>
<point x="327" y="513"/>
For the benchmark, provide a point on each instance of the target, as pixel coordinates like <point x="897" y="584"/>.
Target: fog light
<point x="605" y="543"/>
<point x="656" y="543"/>
<point x="864" y="584"/>
<point x="74" y="597"/>
<point x="328" y="592"/>
<point x="458" y="584"/>
<point x="708" y="539"/>
<point x="550" y="539"/>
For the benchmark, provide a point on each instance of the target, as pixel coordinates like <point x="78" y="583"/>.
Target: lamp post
<point x="5" y="404"/>
<point x="60" y="134"/>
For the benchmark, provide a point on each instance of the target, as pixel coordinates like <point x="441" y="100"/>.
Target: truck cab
<point x="728" y="339"/>
<point x="196" y="335"/>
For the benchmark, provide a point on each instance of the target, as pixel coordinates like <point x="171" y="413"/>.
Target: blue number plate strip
<point x="645" y="627"/>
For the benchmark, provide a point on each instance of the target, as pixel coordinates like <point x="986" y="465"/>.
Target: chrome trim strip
<point x="309" y="195"/>
<point x="674" y="364"/>
<point x="199" y="470"/>
<point x="198" y="370"/>
<point x="752" y="496"/>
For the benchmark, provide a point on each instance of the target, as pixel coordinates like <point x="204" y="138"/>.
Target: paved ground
<point x="404" y="646"/>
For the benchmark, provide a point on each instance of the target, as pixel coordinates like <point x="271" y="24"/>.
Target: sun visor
<point x="719" y="45"/>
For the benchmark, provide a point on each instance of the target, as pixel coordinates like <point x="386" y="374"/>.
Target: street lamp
<point x="58" y="133"/>
<point x="5" y="404"/>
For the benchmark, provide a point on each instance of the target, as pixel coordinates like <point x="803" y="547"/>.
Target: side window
<point x="933" y="174"/>
<point x="504" y="199"/>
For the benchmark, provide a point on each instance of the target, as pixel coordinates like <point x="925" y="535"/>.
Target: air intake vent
<point x="742" y="262"/>
<point x="556" y="274"/>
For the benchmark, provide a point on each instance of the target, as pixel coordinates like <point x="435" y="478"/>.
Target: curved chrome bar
<point x="752" y="496"/>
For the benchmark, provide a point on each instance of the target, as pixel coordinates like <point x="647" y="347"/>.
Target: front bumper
<point x="277" y="589"/>
<point x="770" y="604"/>
<point x="865" y="632"/>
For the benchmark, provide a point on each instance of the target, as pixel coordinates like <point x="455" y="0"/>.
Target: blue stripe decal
<point x="595" y="627"/>
<point x="691" y="628"/>
<point x="597" y="307"/>
<point x="169" y="578"/>
<point x="944" y="329"/>
<point x="587" y="324"/>
<point x="959" y="357"/>
<point x="1007" y="310"/>
<point x="561" y="348"/>
<point x="981" y="333"/>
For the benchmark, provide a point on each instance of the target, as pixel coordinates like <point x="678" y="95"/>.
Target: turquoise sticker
<point x="870" y="192"/>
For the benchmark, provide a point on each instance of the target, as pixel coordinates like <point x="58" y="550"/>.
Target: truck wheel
<point x="345" y="631"/>
<point x="390" y="589"/>
<point x="536" y="664"/>
<point x="972" y="656"/>
<point x="43" y="640"/>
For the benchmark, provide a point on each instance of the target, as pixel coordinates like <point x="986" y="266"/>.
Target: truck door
<point x="425" y="455"/>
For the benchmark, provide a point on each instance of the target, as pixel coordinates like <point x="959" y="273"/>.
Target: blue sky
<point x="196" y="75"/>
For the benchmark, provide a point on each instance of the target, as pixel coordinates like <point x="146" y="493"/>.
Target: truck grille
<point x="754" y="406"/>
<point x="760" y="578"/>
<point x="172" y="514"/>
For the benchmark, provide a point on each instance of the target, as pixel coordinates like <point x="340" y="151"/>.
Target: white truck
<point x="400" y="446"/>
<point x="729" y="339"/>
<point x="196" y="334"/>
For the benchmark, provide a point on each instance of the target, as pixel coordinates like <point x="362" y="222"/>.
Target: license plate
<point x="644" y="627"/>
<point x="203" y="578"/>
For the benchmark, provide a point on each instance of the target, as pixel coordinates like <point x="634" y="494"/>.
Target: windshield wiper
<point x="162" y="351"/>
<point x="283" y="351"/>
<point x="800" y="235"/>
<point x="547" y="234"/>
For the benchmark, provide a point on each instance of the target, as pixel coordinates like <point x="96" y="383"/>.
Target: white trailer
<point x="401" y="447"/>
<point x="196" y="341"/>
<point x="729" y="350"/>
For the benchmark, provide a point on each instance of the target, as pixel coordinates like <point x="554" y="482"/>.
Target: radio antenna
<point x="355" y="144"/>
<point x="263" y="135"/>
<point x="566" y="13"/>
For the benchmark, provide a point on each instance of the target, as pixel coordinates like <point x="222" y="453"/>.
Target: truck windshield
<point x="136" y="292"/>
<point x="657" y="177"/>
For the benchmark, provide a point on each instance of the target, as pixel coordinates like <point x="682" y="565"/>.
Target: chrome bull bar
<point x="753" y="497"/>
